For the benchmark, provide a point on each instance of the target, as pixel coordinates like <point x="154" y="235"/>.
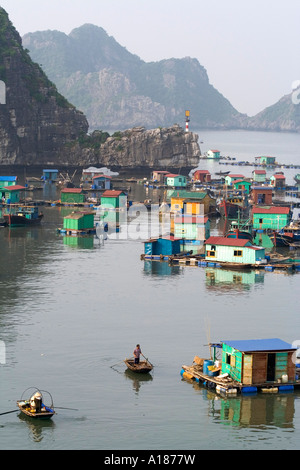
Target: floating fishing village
<point x="252" y="210"/>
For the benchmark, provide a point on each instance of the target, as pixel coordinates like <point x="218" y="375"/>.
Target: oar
<point x="62" y="408"/>
<point x="147" y="360"/>
<point x="117" y="364"/>
<point x="7" y="412"/>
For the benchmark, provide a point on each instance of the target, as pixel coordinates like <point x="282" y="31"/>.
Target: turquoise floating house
<point x="213" y="154"/>
<point x="8" y="181"/>
<point x="233" y="251"/>
<point x="191" y="227"/>
<point x="230" y="179"/>
<point x="265" y="160"/>
<point x="242" y="185"/>
<point x="271" y="217"/>
<point x="11" y="194"/>
<point x="259" y="361"/>
<point x="175" y="181"/>
<point x="159" y="247"/>
<point x="247" y="366"/>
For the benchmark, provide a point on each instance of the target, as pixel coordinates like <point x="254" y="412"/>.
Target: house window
<point x="237" y="253"/>
<point x="260" y="221"/>
<point x="211" y="253"/>
<point x="230" y="360"/>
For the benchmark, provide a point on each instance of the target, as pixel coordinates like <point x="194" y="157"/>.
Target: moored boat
<point x="143" y="367"/>
<point x="22" y="216"/>
<point x="287" y="235"/>
<point x="34" y="407"/>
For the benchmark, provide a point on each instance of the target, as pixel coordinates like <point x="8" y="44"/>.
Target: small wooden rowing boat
<point x="143" y="367"/>
<point x="34" y="407"/>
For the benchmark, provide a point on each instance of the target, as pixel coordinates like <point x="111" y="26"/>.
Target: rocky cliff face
<point x="161" y="148"/>
<point x="38" y="126"/>
<point x="35" y="120"/>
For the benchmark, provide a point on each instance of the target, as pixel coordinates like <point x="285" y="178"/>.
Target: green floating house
<point x="233" y="251"/>
<point x="258" y="362"/>
<point x="72" y="196"/>
<point x="213" y="153"/>
<point x="79" y="222"/>
<point x="113" y="199"/>
<point x="271" y="217"/>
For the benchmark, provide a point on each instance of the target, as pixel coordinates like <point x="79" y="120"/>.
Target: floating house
<point x="271" y="217"/>
<point x="158" y="247"/>
<point x="265" y="160"/>
<point x="230" y="179"/>
<point x="192" y="202"/>
<point x="191" y="227"/>
<point x="11" y="194"/>
<point x="278" y="180"/>
<point x="159" y="176"/>
<point x="101" y="182"/>
<point x="113" y="199"/>
<point x="233" y="251"/>
<point x="50" y="175"/>
<point x="175" y="181"/>
<point x="8" y="181"/>
<point x="259" y="176"/>
<point x="262" y="195"/>
<point x="72" y="196"/>
<point x="213" y="154"/>
<point x="242" y="185"/>
<point x="201" y="176"/>
<point x="247" y="366"/>
<point x="79" y="222"/>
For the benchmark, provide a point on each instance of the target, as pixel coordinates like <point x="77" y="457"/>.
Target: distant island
<point x="117" y="90"/>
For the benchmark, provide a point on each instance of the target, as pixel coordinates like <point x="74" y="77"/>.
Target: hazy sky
<point x="250" y="49"/>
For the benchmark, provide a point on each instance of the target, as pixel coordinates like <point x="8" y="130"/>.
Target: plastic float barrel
<point x="249" y="389"/>
<point x="286" y="388"/>
<point x="206" y="364"/>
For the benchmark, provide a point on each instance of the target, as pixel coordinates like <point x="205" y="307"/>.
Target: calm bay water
<point x="69" y="315"/>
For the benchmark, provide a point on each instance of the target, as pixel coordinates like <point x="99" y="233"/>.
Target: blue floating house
<point x="158" y="247"/>
<point x="101" y="182"/>
<point x="50" y="175"/>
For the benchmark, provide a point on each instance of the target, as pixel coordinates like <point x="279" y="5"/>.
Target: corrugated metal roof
<point x="226" y="241"/>
<point x="271" y="210"/>
<point x="250" y="345"/>
<point x="71" y="190"/>
<point x="16" y="187"/>
<point x="8" y="178"/>
<point x="111" y="193"/>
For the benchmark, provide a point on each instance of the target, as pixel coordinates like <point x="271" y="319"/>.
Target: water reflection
<point x="137" y="380"/>
<point x="233" y="280"/>
<point x="161" y="268"/>
<point x="37" y="429"/>
<point x="253" y="410"/>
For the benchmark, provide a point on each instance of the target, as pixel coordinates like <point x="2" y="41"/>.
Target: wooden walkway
<point x="227" y="386"/>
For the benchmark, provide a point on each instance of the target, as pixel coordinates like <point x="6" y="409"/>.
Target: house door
<point x="271" y="367"/>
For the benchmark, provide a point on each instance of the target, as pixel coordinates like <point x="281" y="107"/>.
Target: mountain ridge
<point x="117" y="89"/>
